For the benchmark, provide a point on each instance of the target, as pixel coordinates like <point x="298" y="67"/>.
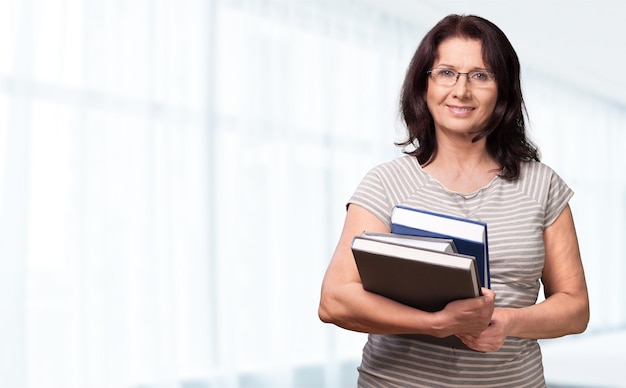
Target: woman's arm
<point x="566" y="307"/>
<point x="345" y="303"/>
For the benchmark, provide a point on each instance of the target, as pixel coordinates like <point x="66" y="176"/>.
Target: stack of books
<point x="427" y="261"/>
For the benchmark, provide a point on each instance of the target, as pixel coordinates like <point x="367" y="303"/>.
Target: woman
<point x="463" y="107"/>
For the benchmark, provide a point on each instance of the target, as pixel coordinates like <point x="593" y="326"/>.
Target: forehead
<point x="460" y="51"/>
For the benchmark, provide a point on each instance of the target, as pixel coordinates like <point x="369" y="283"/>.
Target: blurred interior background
<point x="173" y="179"/>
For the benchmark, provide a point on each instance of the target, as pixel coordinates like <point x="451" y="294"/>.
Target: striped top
<point x="516" y="214"/>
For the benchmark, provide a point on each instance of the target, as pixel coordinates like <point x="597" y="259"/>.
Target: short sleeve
<point x="558" y="196"/>
<point x="372" y="196"/>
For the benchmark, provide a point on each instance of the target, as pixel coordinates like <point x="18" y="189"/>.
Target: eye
<point x="481" y="76"/>
<point x="445" y="73"/>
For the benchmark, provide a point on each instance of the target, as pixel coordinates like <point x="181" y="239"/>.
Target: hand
<point x="492" y="338"/>
<point x="467" y="316"/>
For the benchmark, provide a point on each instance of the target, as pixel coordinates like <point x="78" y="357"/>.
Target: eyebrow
<point x="444" y="65"/>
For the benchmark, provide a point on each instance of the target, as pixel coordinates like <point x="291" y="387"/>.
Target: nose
<point x="461" y="88"/>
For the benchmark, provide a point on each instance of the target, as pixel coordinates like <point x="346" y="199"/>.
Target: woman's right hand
<point x="466" y="316"/>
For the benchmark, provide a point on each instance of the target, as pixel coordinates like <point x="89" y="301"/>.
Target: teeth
<point x="457" y="109"/>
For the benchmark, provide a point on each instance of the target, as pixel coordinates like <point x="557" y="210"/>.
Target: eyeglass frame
<point x="458" y="75"/>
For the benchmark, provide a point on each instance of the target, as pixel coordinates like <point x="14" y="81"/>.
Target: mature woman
<point x="464" y="111"/>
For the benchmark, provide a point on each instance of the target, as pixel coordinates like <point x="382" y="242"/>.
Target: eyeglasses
<point x="449" y="77"/>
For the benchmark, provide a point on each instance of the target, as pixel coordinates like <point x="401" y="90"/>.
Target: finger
<point x="489" y="293"/>
<point x="467" y="337"/>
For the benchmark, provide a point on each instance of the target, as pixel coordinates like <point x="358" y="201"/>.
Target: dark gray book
<point x="422" y="277"/>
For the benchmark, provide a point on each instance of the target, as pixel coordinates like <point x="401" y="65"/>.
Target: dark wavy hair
<point x="505" y="131"/>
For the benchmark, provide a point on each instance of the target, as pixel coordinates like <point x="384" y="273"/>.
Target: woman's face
<point x="464" y="108"/>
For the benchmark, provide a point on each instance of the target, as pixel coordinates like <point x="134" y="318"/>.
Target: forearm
<point x="353" y="308"/>
<point x="559" y="315"/>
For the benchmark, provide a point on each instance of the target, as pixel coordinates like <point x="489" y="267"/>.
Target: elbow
<point x="583" y="320"/>
<point x="580" y="318"/>
<point x="333" y="312"/>
<point x="325" y="311"/>
<point x="324" y="314"/>
<point x="331" y="308"/>
<point x="579" y="327"/>
<point x="337" y="307"/>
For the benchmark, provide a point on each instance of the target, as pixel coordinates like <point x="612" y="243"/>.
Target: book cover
<point x="469" y="236"/>
<point x="422" y="278"/>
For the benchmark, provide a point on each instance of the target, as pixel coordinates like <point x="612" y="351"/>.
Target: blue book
<point x="469" y="236"/>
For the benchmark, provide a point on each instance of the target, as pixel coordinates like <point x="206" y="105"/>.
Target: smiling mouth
<point x="460" y="109"/>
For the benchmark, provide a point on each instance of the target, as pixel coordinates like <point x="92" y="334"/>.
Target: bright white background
<point x="173" y="176"/>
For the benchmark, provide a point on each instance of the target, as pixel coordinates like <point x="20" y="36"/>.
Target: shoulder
<point x="537" y="176"/>
<point x="395" y="177"/>
<point x="399" y="177"/>
<point x="534" y="168"/>
<point x="388" y="184"/>
<point x="540" y="182"/>
<point x="403" y="167"/>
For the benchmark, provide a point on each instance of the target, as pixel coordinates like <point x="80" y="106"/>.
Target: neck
<point x="463" y="169"/>
<point x="464" y="156"/>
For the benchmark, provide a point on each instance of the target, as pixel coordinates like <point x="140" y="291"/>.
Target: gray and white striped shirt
<point x="516" y="214"/>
